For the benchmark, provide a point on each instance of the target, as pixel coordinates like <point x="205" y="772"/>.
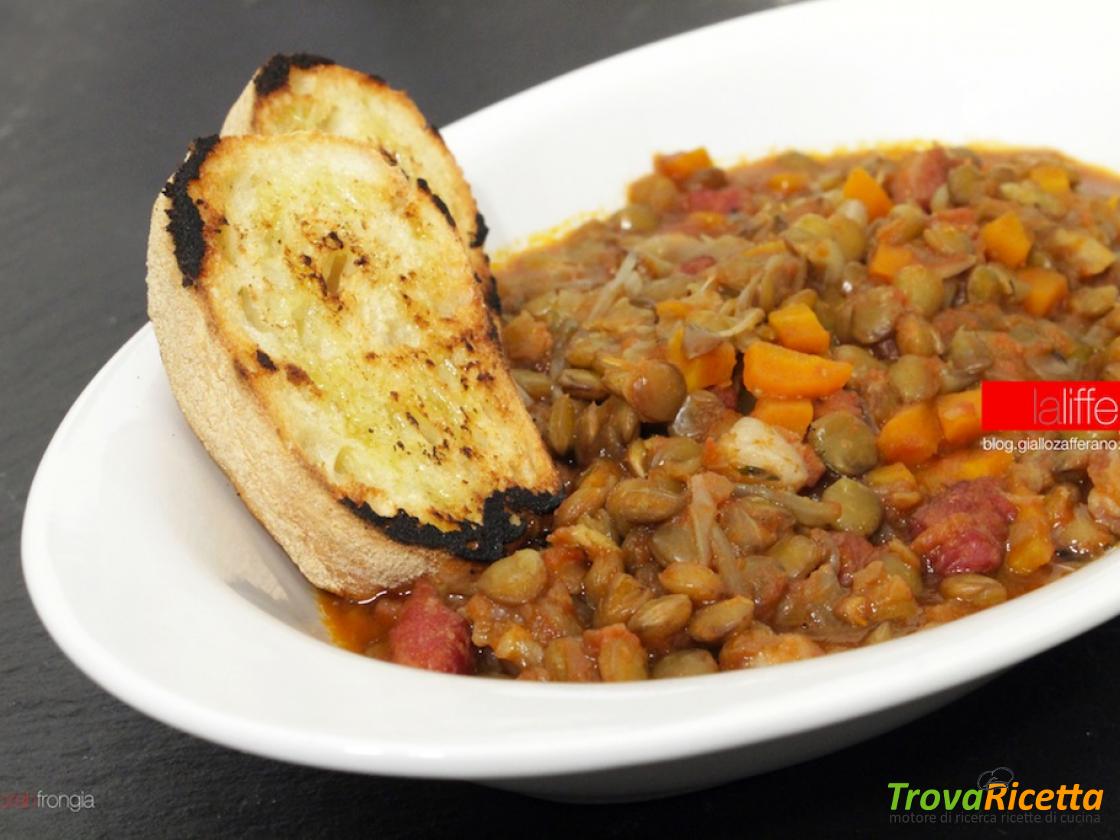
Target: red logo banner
<point x="1050" y="406"/>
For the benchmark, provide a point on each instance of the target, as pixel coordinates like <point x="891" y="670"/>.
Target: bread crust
<point x="239" y="119"/>
<point x="329" y="540"/>
<point x="336" y="550"/>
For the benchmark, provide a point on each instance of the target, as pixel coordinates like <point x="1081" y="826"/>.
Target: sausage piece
<point x="963" y="528"/>
<point x="919" y="176"/>
<point x="431" y="635"/>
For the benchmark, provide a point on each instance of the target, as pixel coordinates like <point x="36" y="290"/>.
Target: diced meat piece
<point x="955" y="545"/>
<point x="963" y="528"/>
<point x="430" y="634"/>
<point x="919" y="176"/>
<point x="724" y="200"/>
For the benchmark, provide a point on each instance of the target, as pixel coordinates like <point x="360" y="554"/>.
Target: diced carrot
<point x="798" y="328"/>
<point x="888" y="260"/>
<point x="895" y="485"/>
<point x="682" y="164"/>
<point x="911" y="436"/>
<point x="775" y="371"/>
<point x="964" y="466"/>
<point x="959" y="415"/>
<point x="1053" y="179"/>
<point x="795" y="415"/>
<point x="714" y="199"/>
<point x="712" y="368"/>
<point x="1006" y="239"/>
<point x="888" y="474"/>
<point x="671" y="310"/>
<point x="1046" y="289"/>
<point x="787" y="182"/>
<point x="1030" y="545"/>
<point x="860" y="185"/>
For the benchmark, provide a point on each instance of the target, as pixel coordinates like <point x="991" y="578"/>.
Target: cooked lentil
<point x="761" y="386"/>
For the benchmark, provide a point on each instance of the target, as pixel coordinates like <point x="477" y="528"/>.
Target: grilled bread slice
<point x="309" y="93"/>
<point x="327" y="340"/>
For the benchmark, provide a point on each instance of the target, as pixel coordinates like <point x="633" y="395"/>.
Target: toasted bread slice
<point x="328" y="342"/>
<point x="309" y="93"/>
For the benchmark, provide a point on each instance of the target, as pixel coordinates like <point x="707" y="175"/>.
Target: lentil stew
<point x="762" y="386"/>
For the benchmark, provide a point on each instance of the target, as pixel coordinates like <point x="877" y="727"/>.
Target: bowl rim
<point x="918" y="665"/>
<point x="795" y="698"/>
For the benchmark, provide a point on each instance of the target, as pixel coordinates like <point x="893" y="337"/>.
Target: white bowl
<point x="155" y="580"/>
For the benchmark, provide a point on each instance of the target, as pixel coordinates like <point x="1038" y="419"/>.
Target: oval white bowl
<point x="153" y="578"/>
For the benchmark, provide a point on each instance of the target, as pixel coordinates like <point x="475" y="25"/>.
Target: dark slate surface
<point x="97" y="101"/>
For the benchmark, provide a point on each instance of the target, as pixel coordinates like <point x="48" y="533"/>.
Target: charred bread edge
<point x="474" y="541"/>
<point x="273" y="74"/>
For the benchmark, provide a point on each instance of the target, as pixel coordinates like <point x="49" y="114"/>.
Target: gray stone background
<point x="97" y="102"/>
